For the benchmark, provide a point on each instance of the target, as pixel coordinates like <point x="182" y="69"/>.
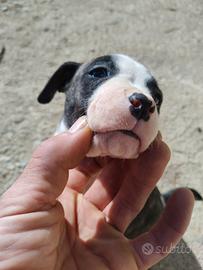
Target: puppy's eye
<point x="99" y="72"/>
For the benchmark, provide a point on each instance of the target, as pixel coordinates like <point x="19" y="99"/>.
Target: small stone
<point x="46" y="29"/>
<point x="4" y="9"/>
<point x="199" y="129"/>
<point x="173" y="9"/>
<point x="22" y="164"/>
<point x="19" y="119"/>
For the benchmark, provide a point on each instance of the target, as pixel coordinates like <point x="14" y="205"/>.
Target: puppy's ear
<point x="57" y="82"/>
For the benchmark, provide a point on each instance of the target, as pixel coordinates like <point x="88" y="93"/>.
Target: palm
<point x="113" y="196"/>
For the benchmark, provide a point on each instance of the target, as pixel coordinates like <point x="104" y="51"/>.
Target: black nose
<point x="141" y="106"/>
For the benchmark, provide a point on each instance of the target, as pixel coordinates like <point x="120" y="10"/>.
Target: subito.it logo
<point x="147" y="248"/>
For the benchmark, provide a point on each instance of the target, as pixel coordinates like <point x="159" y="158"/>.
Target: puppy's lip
<point x="129" y="133"/>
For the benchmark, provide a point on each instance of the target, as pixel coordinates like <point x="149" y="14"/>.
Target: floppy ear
<point x="57" y="82"/>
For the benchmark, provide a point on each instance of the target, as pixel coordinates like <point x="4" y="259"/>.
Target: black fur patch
<point x="155" y="92"/>
<point x="83" y="86"/>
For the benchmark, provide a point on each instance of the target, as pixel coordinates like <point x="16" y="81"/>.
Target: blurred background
<point x="37" y="36"/>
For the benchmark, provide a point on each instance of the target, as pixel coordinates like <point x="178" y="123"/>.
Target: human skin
<point x="55" y="217"/>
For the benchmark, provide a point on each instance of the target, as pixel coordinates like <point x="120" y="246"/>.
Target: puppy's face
<point x="120" y="98"/>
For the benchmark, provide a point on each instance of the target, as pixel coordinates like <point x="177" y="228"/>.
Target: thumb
<point x="45" y="176"/>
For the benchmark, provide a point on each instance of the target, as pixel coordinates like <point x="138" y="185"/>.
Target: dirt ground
<point x="165" y="35"/>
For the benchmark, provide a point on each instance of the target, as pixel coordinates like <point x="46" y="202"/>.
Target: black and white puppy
<point x="121" y="100"/>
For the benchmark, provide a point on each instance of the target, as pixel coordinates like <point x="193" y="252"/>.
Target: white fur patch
<point x="61" y="127"/>
<point x="135" y="72"/>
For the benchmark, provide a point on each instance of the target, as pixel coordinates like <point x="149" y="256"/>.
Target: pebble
<point x="4" y="9"/>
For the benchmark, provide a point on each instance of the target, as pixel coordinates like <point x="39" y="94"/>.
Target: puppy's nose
<point x="141" y="106"/>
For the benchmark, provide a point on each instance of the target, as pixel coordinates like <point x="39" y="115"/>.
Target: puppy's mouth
<point x="130" y="133"/>
<point x="115" y="143"/>
<point x="125" y="132"/>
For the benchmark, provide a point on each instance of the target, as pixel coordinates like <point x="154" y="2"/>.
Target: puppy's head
<point x="120" y="98"/>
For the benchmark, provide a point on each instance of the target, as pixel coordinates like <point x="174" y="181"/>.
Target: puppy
<point x="122" y="101"/>
<point x="120" y="98"/>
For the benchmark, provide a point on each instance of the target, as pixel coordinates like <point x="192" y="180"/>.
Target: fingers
<point x="80" y="177"/>
<point x="45" y="176"/>
<point x="107" y="184"/>
<point x="140" y="179"/>
<point x="153" y="246"/>
<point x="79" y="180"/>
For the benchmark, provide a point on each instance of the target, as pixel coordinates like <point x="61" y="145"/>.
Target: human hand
<point x="48" y="223"/>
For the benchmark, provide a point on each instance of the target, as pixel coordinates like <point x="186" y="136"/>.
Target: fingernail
<point x="79" y="124"/>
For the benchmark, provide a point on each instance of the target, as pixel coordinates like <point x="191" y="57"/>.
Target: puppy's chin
<point x="115" y="144"/>
<point x="124" y="144"/>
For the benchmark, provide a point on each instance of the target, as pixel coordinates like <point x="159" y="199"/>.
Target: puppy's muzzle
<point x="124" y="120"/>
